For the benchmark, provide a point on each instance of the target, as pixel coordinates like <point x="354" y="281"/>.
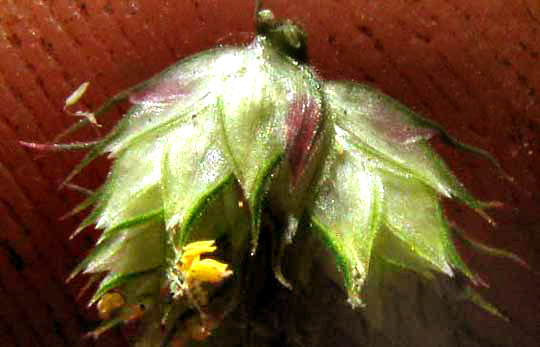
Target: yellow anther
<point x="108" y="304"/>
<point x="205" y="270"/>
<point x="201" y="246"/>
<point x="208" y="270"/>
<point x="193" y="251"/>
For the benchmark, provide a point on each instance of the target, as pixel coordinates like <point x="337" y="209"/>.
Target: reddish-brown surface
<point x="470" y="65"/>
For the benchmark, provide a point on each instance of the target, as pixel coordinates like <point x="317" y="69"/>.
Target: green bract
<point x="223" y="140"/>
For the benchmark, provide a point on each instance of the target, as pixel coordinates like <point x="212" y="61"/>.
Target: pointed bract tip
<point x="72" y="276"/>
<point x="40" y="146"/>
<point x="471" y="295"/>
<point x="505" y="175"/>
<point x="72" y="212"/>
<point x="78" y="231"/>
<point x="479" y="281"/>
<point x="492" y="204"/>
<point x="64" y="217"/>
<point x="85" y="288"/>
<point x="32" y="145"/>
<point x="56" y="147"/>
<point x="76" y="95"/>
<point x="485" y="216"/>
<point x="278" y="274"/>
<point x="491" y="251"/>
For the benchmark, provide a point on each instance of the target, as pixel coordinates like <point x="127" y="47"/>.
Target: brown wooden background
<point x="471" y="65"/>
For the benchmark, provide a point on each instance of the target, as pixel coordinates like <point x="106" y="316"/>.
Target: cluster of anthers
<point x="196" y="272"/>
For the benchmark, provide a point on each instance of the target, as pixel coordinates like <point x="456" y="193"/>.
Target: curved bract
<point x="226" y="137"/>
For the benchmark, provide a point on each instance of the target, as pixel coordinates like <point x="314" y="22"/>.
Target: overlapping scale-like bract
<point x="381" y="182"/>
